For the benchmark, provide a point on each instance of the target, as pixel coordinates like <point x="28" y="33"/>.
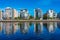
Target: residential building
<point x="38" y="14"/>
<point x="58" y="15"/>
<point x="1" y="12"/>
<point x="24" y="14"/>
<point x="15" y="13"/>
<point x="8" y="13"/>
<point x="3" y="15"/>
<point x="51" y="14"/>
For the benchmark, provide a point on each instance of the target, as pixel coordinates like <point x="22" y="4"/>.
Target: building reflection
<point x="24" y="27"/>
<point x="41" y="26"/>
<point x="9" y="28"/>
<point x="55" y="24"/>
<point x="38" y="27"/>
<point x="0" y="26"/>
<point x="51" y="26"/>
<point x="15" y="27"/>
<point x="58" y="25"/>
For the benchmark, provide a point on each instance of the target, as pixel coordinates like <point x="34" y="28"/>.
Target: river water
<point x="29" y="31"/>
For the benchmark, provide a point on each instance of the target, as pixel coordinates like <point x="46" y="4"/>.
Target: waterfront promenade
<point x="29" y="20"/>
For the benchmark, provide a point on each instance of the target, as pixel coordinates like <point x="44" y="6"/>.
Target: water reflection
<point x="38" y="27"/>
<point x="11" y="28"/>
<point x="8" y="28"/>
<point x="51" y="26"/>
<point x="24" y="27"/>
<point x="1" y="27"/>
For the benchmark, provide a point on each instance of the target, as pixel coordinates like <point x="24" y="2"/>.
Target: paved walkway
<point x="30" y="21"/>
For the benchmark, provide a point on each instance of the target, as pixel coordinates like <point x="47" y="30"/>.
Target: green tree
<point x="30" y="17"/>
<point x="45" y="16"/>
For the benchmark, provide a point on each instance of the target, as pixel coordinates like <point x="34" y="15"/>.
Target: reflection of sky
<point x="31" y="4"/>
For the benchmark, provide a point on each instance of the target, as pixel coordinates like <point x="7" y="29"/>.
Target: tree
<point x="30" y="17"/>
<point x="17" y="18"/>
<point x="45" y="16"/>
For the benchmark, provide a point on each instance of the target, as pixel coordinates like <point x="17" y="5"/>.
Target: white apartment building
<point x="24" y="14"/>
<point x="8" y="13"/>
<point x="51" y="14"/>
<point x="38" y="14"/>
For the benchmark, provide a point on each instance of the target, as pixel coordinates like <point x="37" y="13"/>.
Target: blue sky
<point x="31" y="4"/>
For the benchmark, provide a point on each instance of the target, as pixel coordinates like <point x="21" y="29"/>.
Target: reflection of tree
<point x="37" y="28"/>
<point x="45" y="24"/>
<point x="58" y="24"/>
<point x="19" y="24"/>
<point x="30" y="24"/>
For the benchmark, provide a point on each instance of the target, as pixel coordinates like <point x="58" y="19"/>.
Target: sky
<point x="44" y="5"/>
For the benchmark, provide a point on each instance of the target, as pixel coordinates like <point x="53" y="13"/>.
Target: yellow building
<point x="15" y="13"/>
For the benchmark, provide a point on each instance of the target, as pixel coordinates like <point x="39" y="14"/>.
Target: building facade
<point x="15" y="13"/>
<point x="24" y="14"/>
<point x="1" y="15"/>
<point x="38" y="14"/>
<point x="51" y="14"/>
<point x="8" y="13"/>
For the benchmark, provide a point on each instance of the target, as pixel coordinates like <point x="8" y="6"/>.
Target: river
<point x="29" y="31"/>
